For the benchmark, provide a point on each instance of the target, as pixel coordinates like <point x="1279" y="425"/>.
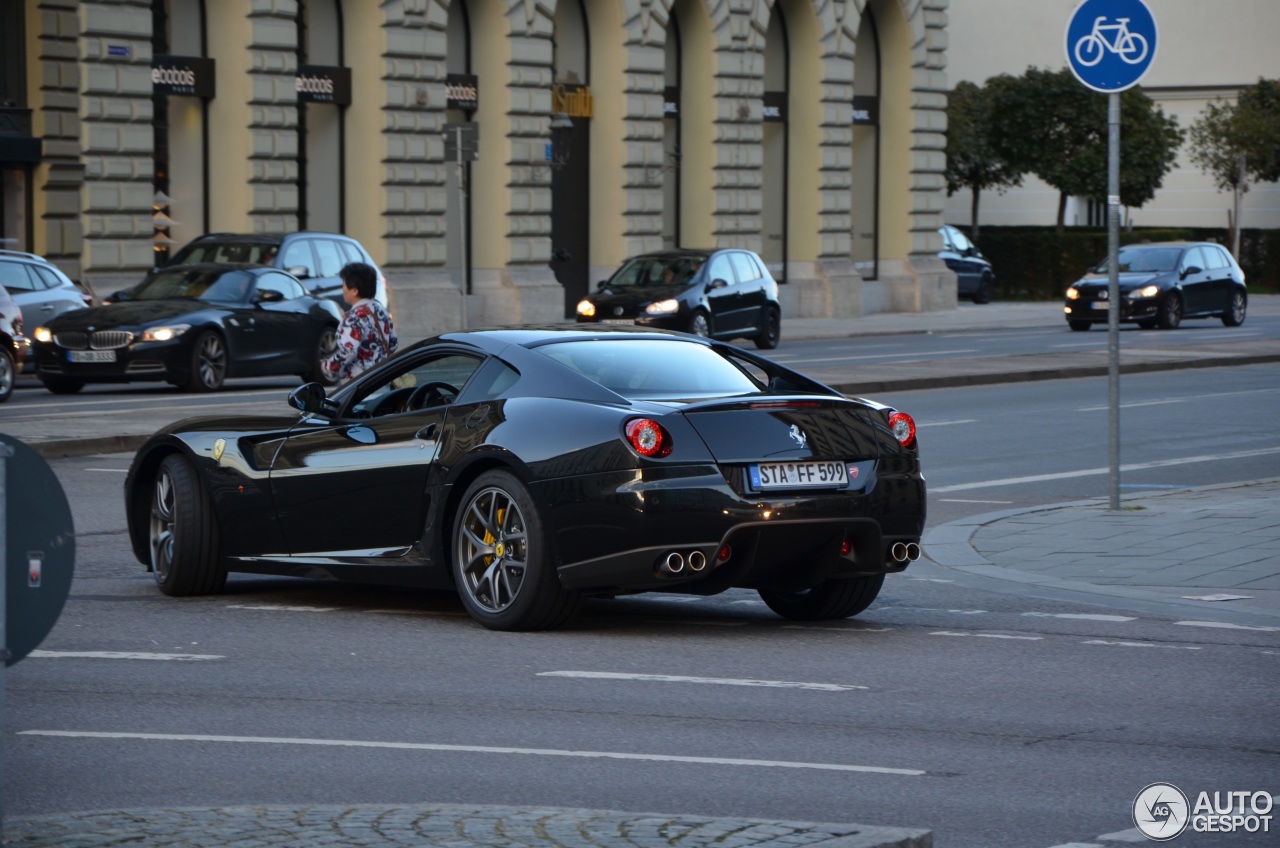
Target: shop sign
<point x="775" y="106"/>
<point x="324" y="84"/>
<point x="573" y="100"/>
<point x="866" y="110"/>
<point x="189" y="76"/>
<point x="462" y="91"/>
<point x="671" y="102"/>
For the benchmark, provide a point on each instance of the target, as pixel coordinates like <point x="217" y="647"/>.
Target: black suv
<point x="313" y="257"/>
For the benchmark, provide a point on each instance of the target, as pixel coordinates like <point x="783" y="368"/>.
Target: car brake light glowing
<point x="648" y="437"/>
<point x="904" y="428"/>
<point x="724" y="553"/>
<point x="846" y="545"/>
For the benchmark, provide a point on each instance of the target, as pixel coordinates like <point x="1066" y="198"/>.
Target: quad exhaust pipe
<point x="675" y="562"/>
<point x="904" y="552"/>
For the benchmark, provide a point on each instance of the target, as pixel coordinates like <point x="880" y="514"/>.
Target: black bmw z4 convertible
<point x="530" y="469"/>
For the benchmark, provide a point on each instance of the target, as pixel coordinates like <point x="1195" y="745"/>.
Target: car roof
<point x="494" y="339"/>
<point x="1151" y="245"/>
<point x="23" y="255"/>
<point x="265" y="238"/>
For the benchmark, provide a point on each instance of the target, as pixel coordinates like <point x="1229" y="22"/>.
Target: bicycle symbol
<point x="1130" y="46"/>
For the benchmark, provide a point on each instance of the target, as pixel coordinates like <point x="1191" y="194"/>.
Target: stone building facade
<point x="497" y="157"/>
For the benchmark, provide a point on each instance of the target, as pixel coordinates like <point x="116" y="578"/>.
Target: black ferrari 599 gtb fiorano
<point x="530" y="469"/>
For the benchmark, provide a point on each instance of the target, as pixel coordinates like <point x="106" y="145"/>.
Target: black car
<point x="194" y="326"/>
<point x="974" y="277"/>
<point x="720" y="294"/>
<point x="313" y="257"/>
<point x="1160" y="284"/>
<point x="13" y="345"/>
<point x="533" y="468"/>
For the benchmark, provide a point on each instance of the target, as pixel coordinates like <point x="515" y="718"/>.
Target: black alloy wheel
<point x="8" y="375"/>
<point x="830" y="599"/>
<point x="326" y="344"/>
<point x="771" y="333"/>
<point x="186" y="549"/>
<point x="502" y="563"/>
<point x="985" y="289"/>
<point x="700" y="323"/>
<point x="1170" y="312"/>
<point x="208" y="363"/>
<point x="1234" y="316"/>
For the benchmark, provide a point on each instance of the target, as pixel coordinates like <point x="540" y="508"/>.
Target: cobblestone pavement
<point x="436" y="826"/>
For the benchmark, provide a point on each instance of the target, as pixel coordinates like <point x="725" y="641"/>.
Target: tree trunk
<point x="973" y="215"/>
<point x="1235" y="221"/>
<point x="1062" y="211"/>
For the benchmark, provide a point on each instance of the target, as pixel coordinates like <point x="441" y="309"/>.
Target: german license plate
<point x="798" y="475"/>
<point x="1101" y="304"/>
<point x="91" y="356"/>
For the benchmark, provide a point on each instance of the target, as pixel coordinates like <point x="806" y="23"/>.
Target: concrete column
<point x="53" y="63"/>
<point x="273" y="116"/>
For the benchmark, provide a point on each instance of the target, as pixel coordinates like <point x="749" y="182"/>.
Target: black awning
<point x="19" y="149"/>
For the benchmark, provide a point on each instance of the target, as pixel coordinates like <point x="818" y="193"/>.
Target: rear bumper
<point x="615" y="531"/>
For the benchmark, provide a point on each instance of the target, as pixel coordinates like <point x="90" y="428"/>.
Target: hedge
<point x="1038" y="263"/>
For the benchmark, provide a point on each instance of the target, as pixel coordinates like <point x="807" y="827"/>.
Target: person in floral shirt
<point x="367" y="335"/>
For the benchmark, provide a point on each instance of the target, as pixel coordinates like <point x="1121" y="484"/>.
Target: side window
<point x="47" y="276"/>
<point x="298" y="255"/>
<point x="960" y="240"/>
<point x="287" y="287"/>
<point x="947" y="243"/>
<point x="350" y="253"/>
<point x="328" y="257"/>
<point x="1193" y="258"/>
<point x="14" y="277"/>
<point x="410" y="387"/>
<point x="1217" y="258"/>
<point x="743" y="266"/>
<point x="721" y="270"/>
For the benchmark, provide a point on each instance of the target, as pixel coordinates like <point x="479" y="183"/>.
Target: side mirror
<point x="119" y="296"/>
<point x="302" y="272"/>
<point x="602" y="284"/>
<point x="308" y="398"/>
<point x="1189" y="270"/>
<point x="717" y="284"/>
<point x="268" y="296"/>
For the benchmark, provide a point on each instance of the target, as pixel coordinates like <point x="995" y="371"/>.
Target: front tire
<point x="829" y="599"/>
<point x="771" y="333"/>
<point x="1234" y="316"/>
<point x="1170" y="312"/>
<point x="502" y="561"/>
<point x="984" y="291"/>
<point x="700" y="324"/>
<point x="61" y="386"/>
<point x="1079" y="326"/>
<point x="186" y="547"/>
<point x="8" y="375"/>
<point x="208" y="363"/>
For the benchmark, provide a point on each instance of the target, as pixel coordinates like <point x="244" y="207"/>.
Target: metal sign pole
<point x="462" y="209"/>
<point x="1113" y="288"/>
<point x="5" y="452"/>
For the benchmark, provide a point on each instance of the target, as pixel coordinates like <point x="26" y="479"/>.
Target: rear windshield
<point x="657" y="271"/>
<point x="1153" y="259"/>
<point x="216" y="284"/>
<point x="233" y="253"/>
<point x="652" y="368"/>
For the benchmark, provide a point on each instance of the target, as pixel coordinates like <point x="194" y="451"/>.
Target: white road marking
<point x="1095" y="472"/>
<point x="1083" y="616"/>
<point x="933" y="580"/>
<point x="110" y="470"/>
<point x="119" y="655"/>
<point x="1223" y="625"/>
<point x="837" y="629"/>
<point x="1132" y="405"/>
<point x="445" y="613"/>
<point x="1139" y="645"/>
<point x="974" y="500"/>
<point x="470" y="749"/>
<point x="1130" y="835"/>
<point x="281" y="608"/>
<point x="1078" y="845"/>
<point x="718" y="681"/>
<point x="987" y="635"/>
<point x="946" y="423"/>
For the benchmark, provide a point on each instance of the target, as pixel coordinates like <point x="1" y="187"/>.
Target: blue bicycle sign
<point x="1110" y="43"/>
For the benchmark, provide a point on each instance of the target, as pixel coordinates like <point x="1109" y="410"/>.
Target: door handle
<point x="426" y="434"/>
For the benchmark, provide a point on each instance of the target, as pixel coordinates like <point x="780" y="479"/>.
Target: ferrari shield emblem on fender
<point x="218" y="447"/>
<point x="796" y="433"/>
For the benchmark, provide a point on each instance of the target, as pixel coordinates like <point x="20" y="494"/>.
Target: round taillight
<point x="903" y="427"/>
<point x="647" y="437"/>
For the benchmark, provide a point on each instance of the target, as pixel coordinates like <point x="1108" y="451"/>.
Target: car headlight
<point x="586" y="309"/>
<point x="42" y="334"/>
<point x="1072" y="293"/>
<point x="663" y="307"/>
<point x="1145" y="291"/>
<point x="164" y="334"/>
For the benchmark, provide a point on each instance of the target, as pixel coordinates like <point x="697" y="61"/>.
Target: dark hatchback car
<point x="1161" y="284"/>
<point x="193" y="326"/>
<point x="719" y="294"/>
<point x="313" y="257"/>
<point x="974" y="277"/>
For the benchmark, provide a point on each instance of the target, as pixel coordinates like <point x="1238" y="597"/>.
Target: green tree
<point x="1052" y="126"/>
<point x="972" y="160"/>
<point x="1235" y="143"/>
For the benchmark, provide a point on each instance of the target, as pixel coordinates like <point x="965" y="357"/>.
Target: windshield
<point x="653" y="368"/>
<point x="217" y="284"/>
<point x="1145" y="259"/>
<point x="657" y="271"/>
<point x="230" y="253"/>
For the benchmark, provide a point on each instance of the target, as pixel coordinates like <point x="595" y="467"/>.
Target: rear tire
<point x="829" y="599"/>
<point x="771" y="333"/>
<point x="1170" y="312"/>
<point x="208" y="363"/>
<point x="8" y="375"/>
<point x="186" y="547"/>
<point x="1079" y="326"/>
<point x="502" y="563"/>
<point x="1234" y="316"/>
<point x="325" y="345"/>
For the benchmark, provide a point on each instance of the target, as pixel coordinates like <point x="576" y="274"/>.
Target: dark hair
<point x="360" y="276"/>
